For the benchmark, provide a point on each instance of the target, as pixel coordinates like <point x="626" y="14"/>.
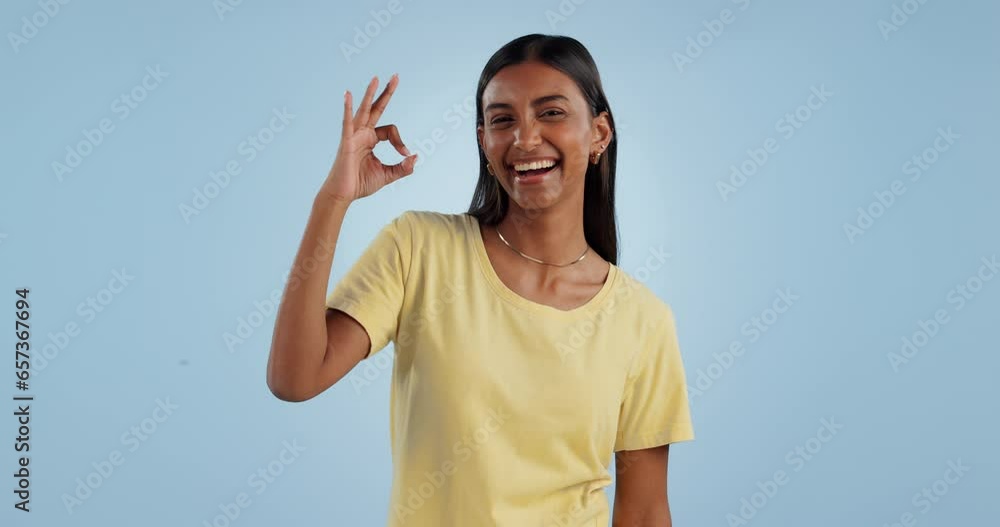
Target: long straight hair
<point x="490" y="201"/>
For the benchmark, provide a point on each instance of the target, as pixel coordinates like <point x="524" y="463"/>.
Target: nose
<point x="526" y="137"/>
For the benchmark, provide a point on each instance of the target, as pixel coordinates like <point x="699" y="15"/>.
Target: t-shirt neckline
<point x="501" y="289"/>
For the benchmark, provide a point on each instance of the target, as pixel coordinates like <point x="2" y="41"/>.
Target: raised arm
<point x="313" y="347"/>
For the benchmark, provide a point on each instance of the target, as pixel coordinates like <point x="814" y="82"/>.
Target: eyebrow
<point x="537" y="102"/>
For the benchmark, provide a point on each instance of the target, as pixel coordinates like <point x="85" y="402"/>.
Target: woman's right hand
<point x="356" y="172"/>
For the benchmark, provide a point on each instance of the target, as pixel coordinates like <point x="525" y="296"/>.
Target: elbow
<point x="287" y="393"/>
<point x="287" y="387"/>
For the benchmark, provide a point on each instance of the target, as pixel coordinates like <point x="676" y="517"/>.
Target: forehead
<point x="527" y="81"/>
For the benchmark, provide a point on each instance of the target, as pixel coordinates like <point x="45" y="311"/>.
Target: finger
<point x="390" y="133"/>
<point x="403" y="168"/>
<point x="383" y="100"/>
<point x="366" y="104"/>
<point x="347" y="128"/>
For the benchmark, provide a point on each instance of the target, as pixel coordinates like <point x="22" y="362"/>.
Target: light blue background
<point x="680" y="129"/>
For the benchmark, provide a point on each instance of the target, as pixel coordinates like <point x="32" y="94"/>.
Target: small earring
<point x="489" y="168"/>
<point x="597" y="155"/>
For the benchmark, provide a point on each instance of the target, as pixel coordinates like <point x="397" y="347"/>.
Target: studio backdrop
<point x="811" y="186"/>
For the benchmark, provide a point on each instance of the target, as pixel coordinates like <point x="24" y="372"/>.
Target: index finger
<point x="347" y="127"/>
<point x="383" y="100"/>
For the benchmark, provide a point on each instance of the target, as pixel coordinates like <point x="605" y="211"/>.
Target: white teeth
<point x="521" y="167"/>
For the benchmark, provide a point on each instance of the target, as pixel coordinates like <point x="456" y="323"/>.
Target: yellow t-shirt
<point x="506" y="411"/>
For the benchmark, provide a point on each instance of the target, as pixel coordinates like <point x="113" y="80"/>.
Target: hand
<point x="356" y="172"/>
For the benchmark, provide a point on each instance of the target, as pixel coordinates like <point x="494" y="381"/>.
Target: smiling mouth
<point x="532" y="174"/>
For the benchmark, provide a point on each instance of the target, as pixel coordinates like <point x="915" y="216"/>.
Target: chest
<point x="561" y="378"/>
<point x="565" y="288"/>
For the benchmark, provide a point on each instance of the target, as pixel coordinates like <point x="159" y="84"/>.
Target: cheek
<point x="496" y="143"/>
<point x="573" y="141"/>
<point x="575" y="152"/>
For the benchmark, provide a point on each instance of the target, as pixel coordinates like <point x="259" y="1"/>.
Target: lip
<point x="536" y="179"/>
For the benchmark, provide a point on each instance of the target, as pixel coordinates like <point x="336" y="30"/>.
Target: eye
<point x="553" y="112"/>
<point x="499" y="120"/>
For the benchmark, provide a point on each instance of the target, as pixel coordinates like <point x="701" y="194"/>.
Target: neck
<point x="551" y="235"/>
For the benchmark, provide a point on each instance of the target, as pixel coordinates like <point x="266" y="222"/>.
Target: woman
<point x="524" y="356"/>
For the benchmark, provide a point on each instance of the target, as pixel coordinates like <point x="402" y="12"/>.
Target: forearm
<point x="298" y="344"/>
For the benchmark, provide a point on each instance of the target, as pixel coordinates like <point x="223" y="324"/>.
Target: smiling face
<point x="538" y="134"/>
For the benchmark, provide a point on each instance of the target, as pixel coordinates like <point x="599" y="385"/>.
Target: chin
<point x="539" y="199"/>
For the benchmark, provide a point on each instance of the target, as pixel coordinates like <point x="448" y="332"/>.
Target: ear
<point x="479" y="137"/>
<point x="601" y="130"/>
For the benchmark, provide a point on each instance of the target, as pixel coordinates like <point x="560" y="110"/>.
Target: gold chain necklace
<point x="536" y="260"/>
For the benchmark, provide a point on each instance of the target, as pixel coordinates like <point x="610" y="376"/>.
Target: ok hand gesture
<point x="356" y="172"/>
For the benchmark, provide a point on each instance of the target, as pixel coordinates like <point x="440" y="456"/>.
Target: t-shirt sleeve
<point x="372" y="290"/>
<point x="655" y="409"/>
